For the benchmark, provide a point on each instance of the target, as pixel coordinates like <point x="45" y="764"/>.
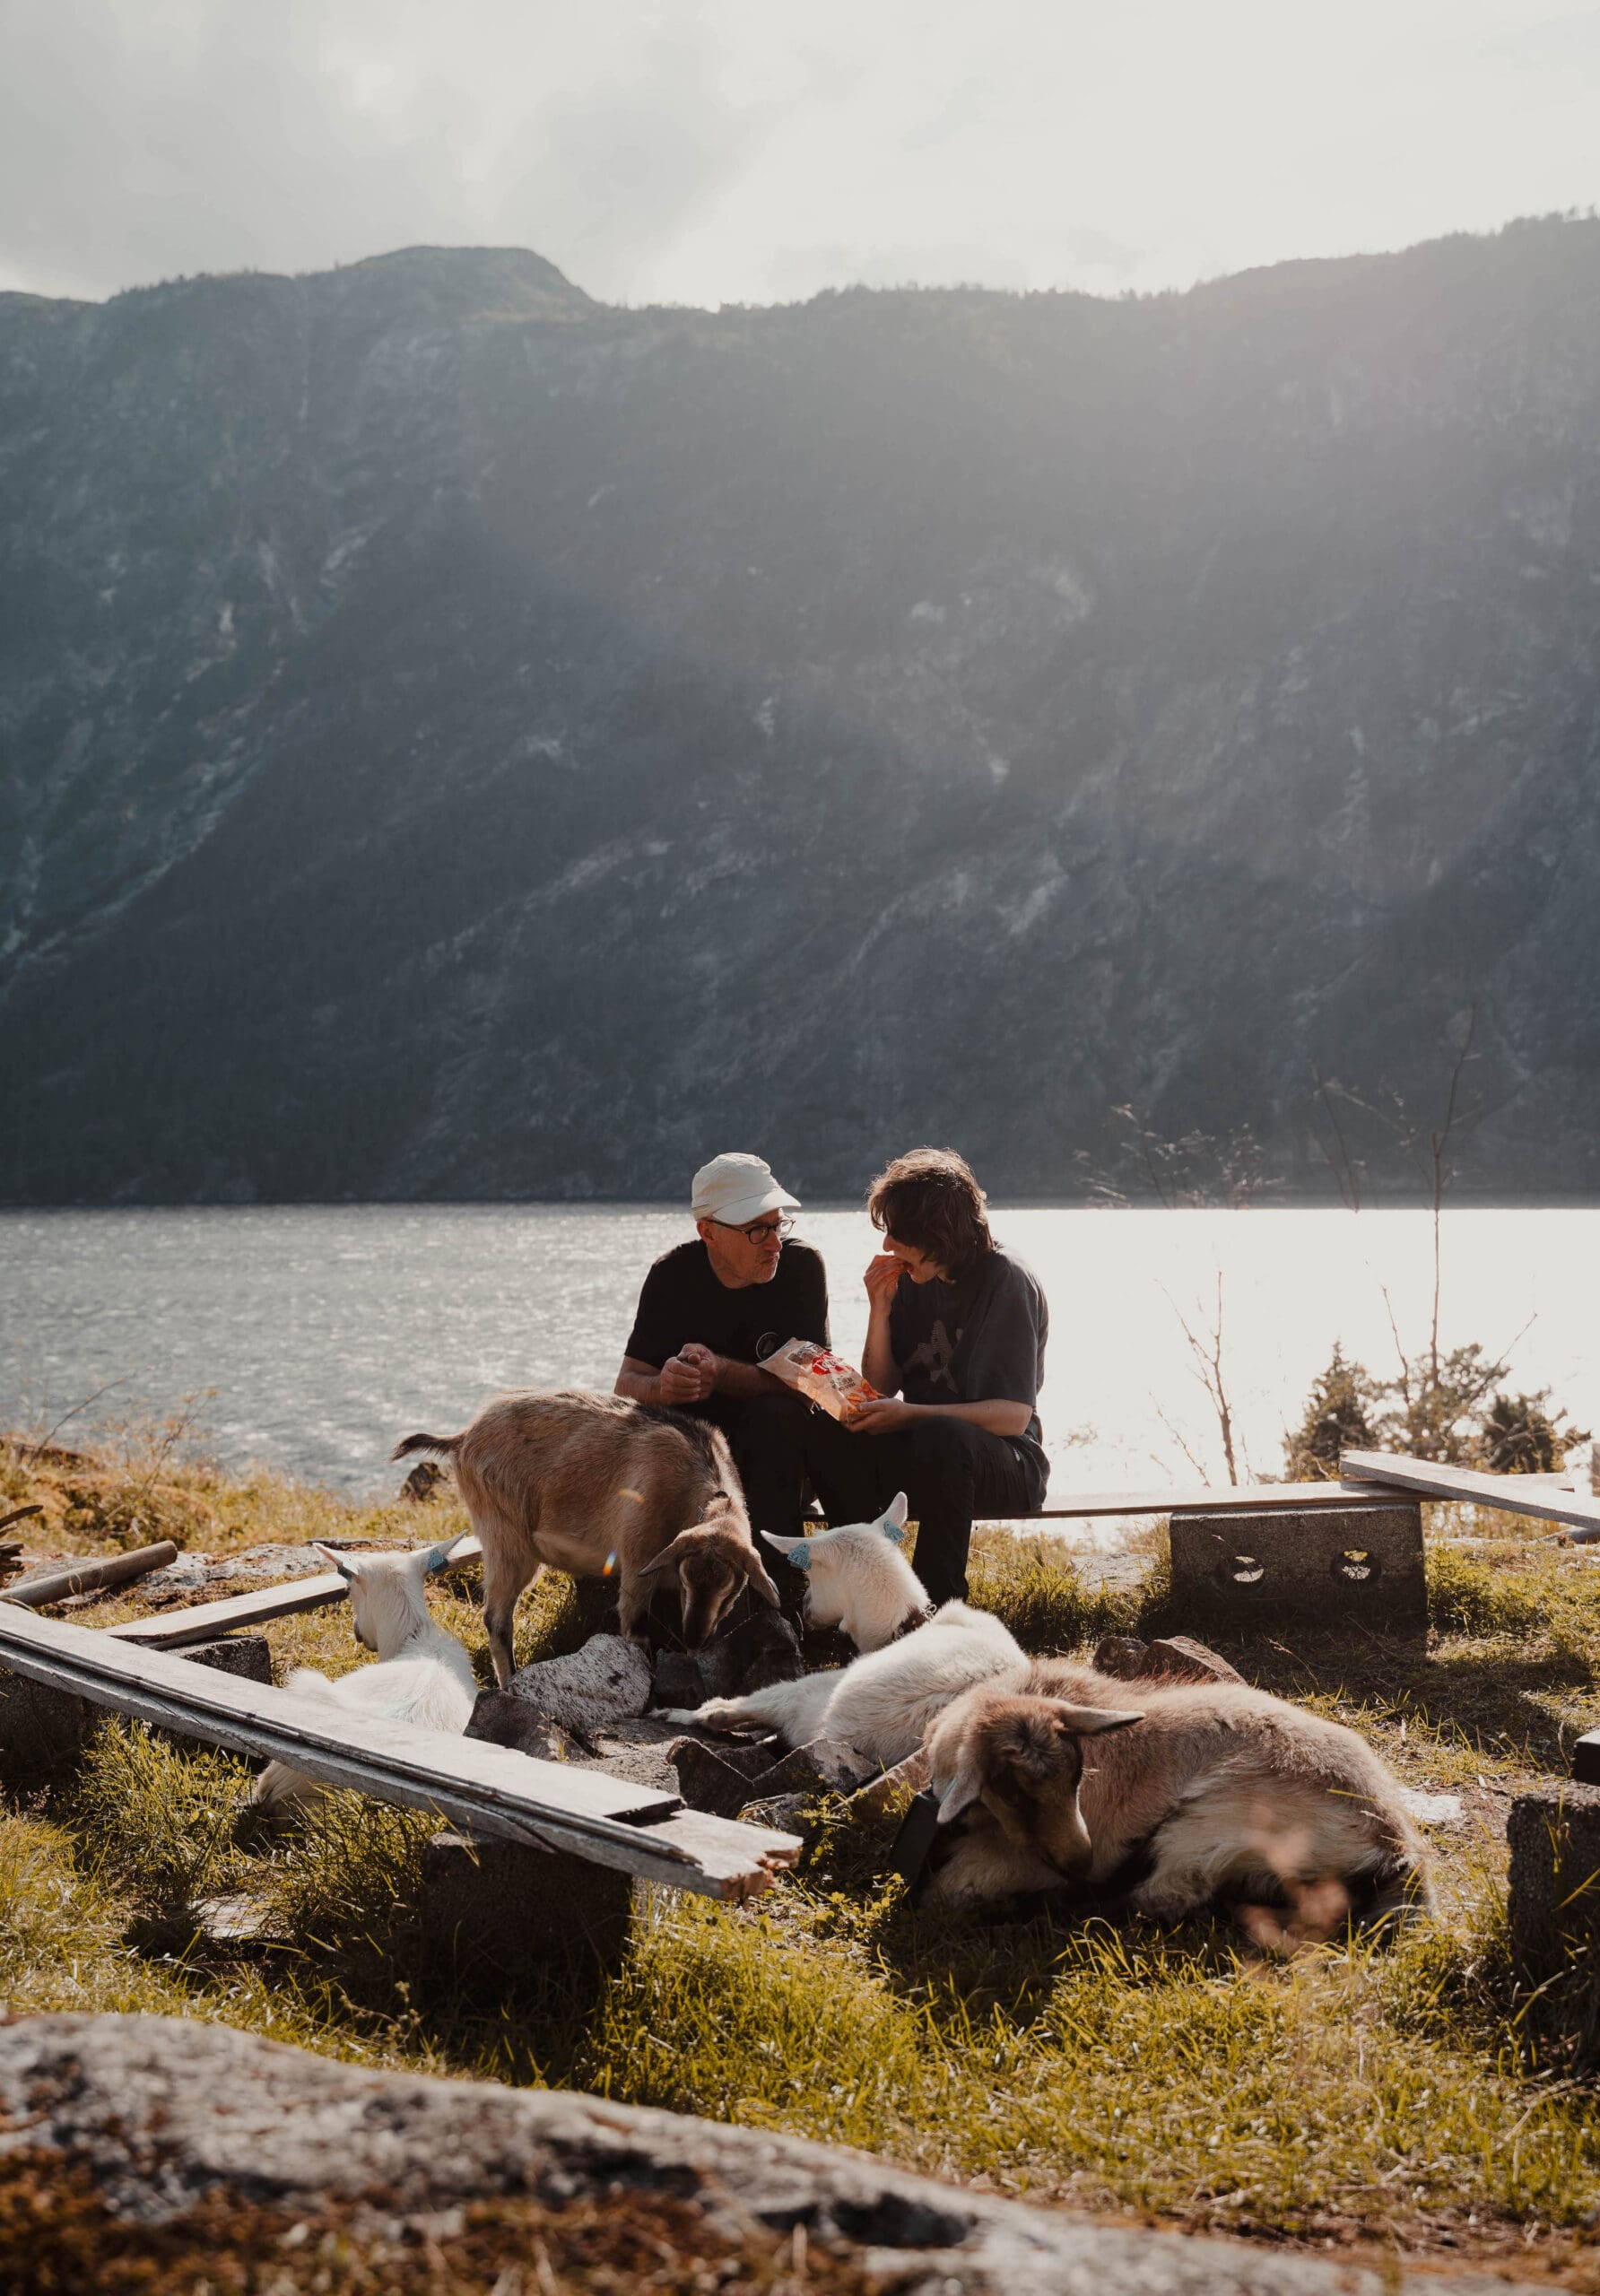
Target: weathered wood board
<point x="90" y="1574"/>
<point x="1513" y="1494"/>
<point x="482" y="1788"/>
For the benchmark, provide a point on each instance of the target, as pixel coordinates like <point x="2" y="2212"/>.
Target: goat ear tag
<point x="438" y="1556"/>
<point x="895" y="1532"/>
<point x="799" y="1557"/>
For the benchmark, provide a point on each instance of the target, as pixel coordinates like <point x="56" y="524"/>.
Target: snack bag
<point x="833" y="1385"/>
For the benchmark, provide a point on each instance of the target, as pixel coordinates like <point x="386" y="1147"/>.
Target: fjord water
<point x="313" y="1336"/>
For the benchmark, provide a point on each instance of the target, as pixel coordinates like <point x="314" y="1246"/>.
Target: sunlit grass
<point x="1413" y="2097"/>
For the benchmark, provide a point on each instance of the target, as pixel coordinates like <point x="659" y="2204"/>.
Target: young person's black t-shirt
<point x="683" y="1299"/>
<point x="979" y="1340"/>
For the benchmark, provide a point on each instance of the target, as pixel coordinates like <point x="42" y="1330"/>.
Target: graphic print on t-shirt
<point x="935" y="1356"/>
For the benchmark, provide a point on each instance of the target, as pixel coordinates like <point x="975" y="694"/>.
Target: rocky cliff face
<point x="458" y="739"/>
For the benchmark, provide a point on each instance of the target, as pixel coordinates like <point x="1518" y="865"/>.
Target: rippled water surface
<point x="317" y="1336"/>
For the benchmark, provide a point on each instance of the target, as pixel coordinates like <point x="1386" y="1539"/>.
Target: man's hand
<point x="882" y="1281"/>
<point x="883" y="1416"/>
<point x="690" y="1376"/>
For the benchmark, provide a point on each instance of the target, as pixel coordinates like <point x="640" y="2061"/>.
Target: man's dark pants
<point x="949" y="1470"/>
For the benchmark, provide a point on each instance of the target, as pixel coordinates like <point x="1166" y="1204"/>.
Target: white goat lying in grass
<point x="914" y="1659"/>
<point x="423" y="1676"/>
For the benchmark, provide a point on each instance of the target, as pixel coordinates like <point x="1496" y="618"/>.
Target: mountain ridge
<point x="464" y="746"/>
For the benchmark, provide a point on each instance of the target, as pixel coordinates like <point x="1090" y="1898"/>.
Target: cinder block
<point x="492" y="1913"/>
<point x="1330" y="1566"/>
<point x="42" y="1733"/>
<point x="248" y="1655"/>
<point x="1554" y="1834"/>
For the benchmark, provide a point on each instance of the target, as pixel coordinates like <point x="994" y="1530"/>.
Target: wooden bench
<point x="486" y="1791"/>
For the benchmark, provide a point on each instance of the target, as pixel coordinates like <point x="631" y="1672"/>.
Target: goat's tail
<point x="424" y="1443"/>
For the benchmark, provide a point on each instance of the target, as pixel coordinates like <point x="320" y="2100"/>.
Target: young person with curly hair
<point x="955" y="1345"/>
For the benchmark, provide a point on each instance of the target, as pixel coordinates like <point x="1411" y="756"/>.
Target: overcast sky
<point x="713" y="150"/>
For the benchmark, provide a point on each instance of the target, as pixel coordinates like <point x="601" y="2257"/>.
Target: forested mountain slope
<point x="457" y="739"/>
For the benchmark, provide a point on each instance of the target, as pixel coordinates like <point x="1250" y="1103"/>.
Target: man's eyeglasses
<point x="760" y="1232"/>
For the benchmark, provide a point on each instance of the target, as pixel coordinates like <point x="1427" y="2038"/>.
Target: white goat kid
<point x="914" y="1660"/>
<point x="423" y="1676"/>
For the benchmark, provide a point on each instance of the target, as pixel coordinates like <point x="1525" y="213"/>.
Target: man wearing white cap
<point x="712" y="1310"/>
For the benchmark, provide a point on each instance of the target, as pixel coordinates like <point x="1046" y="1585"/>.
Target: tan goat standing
<point x="591" y="1484"/>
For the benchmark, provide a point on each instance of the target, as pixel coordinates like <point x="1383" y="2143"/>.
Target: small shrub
<point x="1044" y="1600"/>
<point x="1468" y="1597"/>
<point x="160" y="1822"/>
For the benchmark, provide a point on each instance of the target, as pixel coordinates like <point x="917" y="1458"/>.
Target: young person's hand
<point x="882" y="1280"/>
<point x="883" y="1415"/>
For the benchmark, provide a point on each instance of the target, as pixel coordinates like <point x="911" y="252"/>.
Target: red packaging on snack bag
<point x="823" y="1378"/>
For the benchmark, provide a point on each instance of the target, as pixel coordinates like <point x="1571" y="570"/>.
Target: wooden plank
<point x="1225" y="1499"/>
<point x="283" y="1598"/>
<point x="1512" y="1494"/>
<point x="94" y="1572"/>
<point x="483" y="1788"/>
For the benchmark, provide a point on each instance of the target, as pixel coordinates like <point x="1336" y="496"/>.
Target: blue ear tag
<point x="895" y="1532"/>
<point x="799" y="1557"/>
<point x="439" y="1557"/>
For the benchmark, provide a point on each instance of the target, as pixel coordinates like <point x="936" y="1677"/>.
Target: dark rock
<point x="608" y="1679"/>
<point x="816" y="1769"/>
<point x="1121" y="1655"/>
<point x="1179" y="1658"/>
<point x="250" y="1656"/>
<point x="677" y="1681"/>
<point x="706" y="1782"/>
<point x="759" y="1651"/>
<point x="422" y="1482"/>
<point x="504" y="1720"/>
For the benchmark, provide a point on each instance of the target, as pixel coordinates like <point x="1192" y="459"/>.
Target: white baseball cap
<point x="736" y="1189"/>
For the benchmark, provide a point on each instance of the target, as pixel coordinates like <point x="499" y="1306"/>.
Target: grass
<point x="1411" y="2101"/>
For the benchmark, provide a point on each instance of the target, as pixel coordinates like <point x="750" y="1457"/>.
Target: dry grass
<point x="1411" y="2098"/>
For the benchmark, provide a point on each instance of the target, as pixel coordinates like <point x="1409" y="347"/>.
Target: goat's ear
<point x="961" y="1792"/>
<point x="669" y="1558"/>
<point x="439" y="1557"/>
<point x="755" y="1571"/>
<point x="784" y="1546"/>
<point x="1090" y="1721"/>
<point x="340" y="1563"/>
<point x="893" y="1523"/>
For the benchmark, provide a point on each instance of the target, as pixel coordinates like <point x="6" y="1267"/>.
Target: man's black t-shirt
<point x="683" y="1299"/>
<point x="979" y="1340"/>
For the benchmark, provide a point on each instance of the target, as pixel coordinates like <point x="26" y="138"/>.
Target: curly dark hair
<point x="930" y="1200"/>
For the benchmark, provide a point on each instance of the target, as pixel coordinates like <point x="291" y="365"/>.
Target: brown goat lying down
<point x="1204" y="1792"/>
<point x="588" y="1484"/>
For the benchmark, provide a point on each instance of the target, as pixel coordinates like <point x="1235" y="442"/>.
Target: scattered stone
<point x="231" y="1920"/>
<point x="817" y="1768"/>
<point x="1121" y="1655"/>
<point x="1432" y="1809"/>
<point x="250" y="1656"/>
<point x="503" y="1720"/>
<point x="759" y="1651"/>
<point x="785" y="1813"/>
<point x="677" y="1681"/>
<point x="127" y="2109"/>
<point x="889" y="1794"/>
<point x="706" y="1782"/>
<point x="608" y="1679"/>
<point x="1178" y="1658"/>
<point x="1553" y="1833"/>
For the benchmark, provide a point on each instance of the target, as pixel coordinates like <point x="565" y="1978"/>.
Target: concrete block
<point x="248" y="1655"/>
<point x="1553" y="1835"/>
<point x="42" y="1733"/>
<point x="1330" y="1566"/>
<point x="493" y="1914"/>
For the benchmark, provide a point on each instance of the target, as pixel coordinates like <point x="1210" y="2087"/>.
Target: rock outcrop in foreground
<point x="128" y="2139"/>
